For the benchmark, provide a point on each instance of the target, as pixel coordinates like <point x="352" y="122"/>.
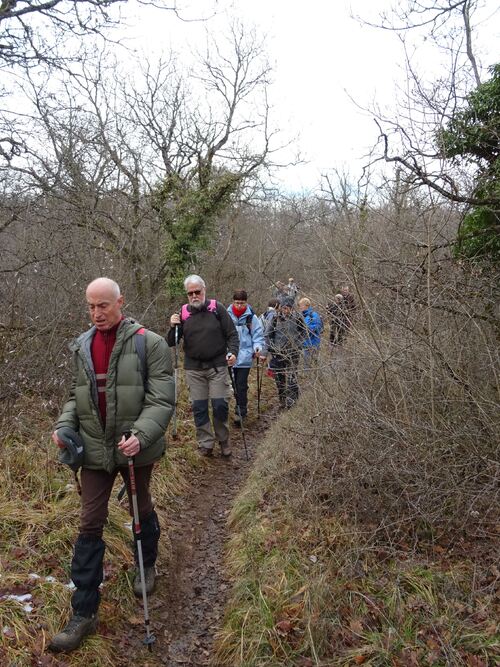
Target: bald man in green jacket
<point x="120" y="405"/>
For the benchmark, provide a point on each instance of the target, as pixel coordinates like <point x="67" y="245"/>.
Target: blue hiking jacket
<point x="249" y="340"/>
<point x="314" y="325"/>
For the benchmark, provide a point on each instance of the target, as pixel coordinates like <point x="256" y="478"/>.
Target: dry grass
<point x="368" y="532"/>
<point x="39" y="512"/>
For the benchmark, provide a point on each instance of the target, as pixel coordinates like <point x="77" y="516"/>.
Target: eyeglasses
<point x="195" y="292"/>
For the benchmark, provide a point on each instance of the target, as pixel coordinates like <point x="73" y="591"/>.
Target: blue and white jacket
<point x="314" y="325"/>
<point x="251" y="338"/>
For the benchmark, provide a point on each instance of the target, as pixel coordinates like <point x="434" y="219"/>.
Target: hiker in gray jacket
<point x="285" y="334"/>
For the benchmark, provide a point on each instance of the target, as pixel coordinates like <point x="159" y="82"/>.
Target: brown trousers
<point x="96" y="490"/>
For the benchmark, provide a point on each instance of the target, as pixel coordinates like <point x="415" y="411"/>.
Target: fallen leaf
<point x="45" y="661"/>
<point x="305" y="662"/>
<point x="411" y="658"/>
<point x="356" y="626"/>
<point x="433" y="644"/>
<point x="475" y="661"/>
<point x="433" y="658"/>
<point x="284" y="627"/>
<point x="491" y="629"/>
<point x="136" y="620"/>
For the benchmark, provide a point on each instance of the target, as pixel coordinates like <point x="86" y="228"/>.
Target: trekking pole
<point x="176" y="365"/>
<point x="150" y="638"/>
<point x="259" y="385"/>
<point x="233" y="384"/>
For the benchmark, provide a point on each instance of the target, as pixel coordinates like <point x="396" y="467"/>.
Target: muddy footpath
<point x="187" y="607"/>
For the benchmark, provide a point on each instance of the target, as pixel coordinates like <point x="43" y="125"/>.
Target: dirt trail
<point x="187" y="607"/>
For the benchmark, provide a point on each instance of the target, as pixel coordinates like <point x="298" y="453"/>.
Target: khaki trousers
<point x="210" y="384"/>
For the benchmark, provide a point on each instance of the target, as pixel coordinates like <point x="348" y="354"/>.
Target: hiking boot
<point x="73" y="634"/>
<point x="225" y="449"/>
<point x="204" y="451"/>
<point x="149" y="578"/>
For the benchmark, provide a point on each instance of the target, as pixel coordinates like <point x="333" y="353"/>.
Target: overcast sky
<point x="321" y="57"/>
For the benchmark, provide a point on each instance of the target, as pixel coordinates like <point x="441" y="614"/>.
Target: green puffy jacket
<point x="129" y="406"/>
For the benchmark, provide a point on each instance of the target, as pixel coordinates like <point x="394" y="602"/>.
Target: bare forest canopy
<point x="53" y="32"/>
<point x="145" y="171"/>
<point x="126" y="176"/>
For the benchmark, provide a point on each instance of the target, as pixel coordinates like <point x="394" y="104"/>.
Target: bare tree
<point x="38" y="31"/>
<point x="93" y="154"/>
<point x="227" y="142"/>
<point x="410" y="138"/>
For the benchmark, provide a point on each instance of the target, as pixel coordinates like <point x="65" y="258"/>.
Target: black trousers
<point x="241" y="383"/>
<point x="285" y="376"/>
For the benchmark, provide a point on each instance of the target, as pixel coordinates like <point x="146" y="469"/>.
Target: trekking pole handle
<point x="133" y="493"/>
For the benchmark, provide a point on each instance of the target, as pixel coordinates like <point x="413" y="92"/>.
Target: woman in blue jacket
<point x="314" y="325"/>
<point x="251" y="334"/>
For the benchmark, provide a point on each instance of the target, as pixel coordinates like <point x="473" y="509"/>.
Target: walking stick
<point x="150" y="638"/>
<point x="233" y="384"/>
<point x="176" y="366"/>
<point x="260" y="375"/>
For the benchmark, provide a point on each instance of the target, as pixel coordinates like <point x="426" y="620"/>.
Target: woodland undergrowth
<point x="368" y="531"/>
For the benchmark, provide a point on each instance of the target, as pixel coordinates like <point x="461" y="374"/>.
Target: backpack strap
<point x="140" y="348"/>
<point x="212" y="308"/>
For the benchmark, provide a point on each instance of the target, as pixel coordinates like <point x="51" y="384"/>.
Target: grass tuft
<point x="39" y="518"/>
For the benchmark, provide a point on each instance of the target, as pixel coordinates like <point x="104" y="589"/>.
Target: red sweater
<point x="102" y="346"/>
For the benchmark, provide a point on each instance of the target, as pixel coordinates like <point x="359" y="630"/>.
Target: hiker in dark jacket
<point x="285" y="334"/>
<point x="210" y="344"/>
<point x="111" y="396"/>
<point x="252" y="345"/>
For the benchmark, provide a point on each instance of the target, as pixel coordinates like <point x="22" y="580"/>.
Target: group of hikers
<point x="123" y="396"/>
<point x="293" y="329"/>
